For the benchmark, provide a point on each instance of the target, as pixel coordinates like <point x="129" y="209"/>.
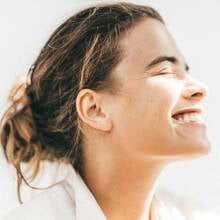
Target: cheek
<point x="163" y="94"/>
<point x="161" y="97"/>
<point x="148" y="105"/>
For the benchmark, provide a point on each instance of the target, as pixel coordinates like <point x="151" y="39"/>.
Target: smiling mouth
<point x="188" y="116"/>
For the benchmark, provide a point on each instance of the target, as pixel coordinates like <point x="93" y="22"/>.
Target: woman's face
<point x="157" y="112"/>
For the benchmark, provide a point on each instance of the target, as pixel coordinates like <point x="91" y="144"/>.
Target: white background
<point x="26" y="25"/>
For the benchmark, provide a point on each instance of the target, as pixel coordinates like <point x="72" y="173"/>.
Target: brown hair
<point x="42" y="121"/>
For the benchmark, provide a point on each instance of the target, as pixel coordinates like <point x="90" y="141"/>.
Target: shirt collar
<point x="86" y="205"/>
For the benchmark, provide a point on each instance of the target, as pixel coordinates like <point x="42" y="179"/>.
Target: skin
<point x="131" y="136"/>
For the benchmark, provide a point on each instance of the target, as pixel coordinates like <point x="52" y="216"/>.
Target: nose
<point x="194" y="90"/>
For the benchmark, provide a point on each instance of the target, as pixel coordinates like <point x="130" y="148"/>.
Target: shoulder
<point x="178" y="208"/>
<point x="52" y="204"/>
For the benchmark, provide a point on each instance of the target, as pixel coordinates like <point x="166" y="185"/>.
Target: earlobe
<point x="91" y="110"/>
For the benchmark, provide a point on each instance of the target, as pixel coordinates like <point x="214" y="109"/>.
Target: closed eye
<point x="163" y="73"/>
<point x="168" y="74"/>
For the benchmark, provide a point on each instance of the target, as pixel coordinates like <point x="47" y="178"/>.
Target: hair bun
<point x="18" y="95"/>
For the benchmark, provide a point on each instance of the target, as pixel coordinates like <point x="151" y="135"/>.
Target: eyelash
<point x="166" y="73"/>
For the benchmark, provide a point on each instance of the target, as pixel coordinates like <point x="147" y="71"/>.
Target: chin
<point x="195" y="149"/>
<point x="191" y="140"/>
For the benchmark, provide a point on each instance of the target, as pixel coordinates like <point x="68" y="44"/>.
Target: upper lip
<point x="187" y="110"/>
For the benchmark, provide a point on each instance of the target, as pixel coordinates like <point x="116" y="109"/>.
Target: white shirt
<point x="70" y="199"/>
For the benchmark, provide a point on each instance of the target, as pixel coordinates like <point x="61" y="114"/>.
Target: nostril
<point x="197" y="95"/>
<point x="194" y="93"/>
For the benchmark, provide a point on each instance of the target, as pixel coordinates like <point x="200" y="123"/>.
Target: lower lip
<point x="194" y="123"/>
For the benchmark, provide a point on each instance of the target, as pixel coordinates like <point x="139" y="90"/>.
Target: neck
<point x="124" y="189"/>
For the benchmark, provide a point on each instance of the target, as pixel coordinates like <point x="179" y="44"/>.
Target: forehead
<point x="144" y="42"/>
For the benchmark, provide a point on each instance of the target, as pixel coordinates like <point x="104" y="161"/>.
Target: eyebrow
<point x="161" y="59"/>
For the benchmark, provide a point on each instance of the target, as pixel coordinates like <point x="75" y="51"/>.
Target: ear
<point x="91" y="110"/>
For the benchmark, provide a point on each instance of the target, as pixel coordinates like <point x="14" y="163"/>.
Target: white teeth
<point x="180" y="119"/>
<point x="186" y="118"/>
<point x="189" y="117"/>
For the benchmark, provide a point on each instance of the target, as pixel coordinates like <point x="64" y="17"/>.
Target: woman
<point x="110" y="95"/>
